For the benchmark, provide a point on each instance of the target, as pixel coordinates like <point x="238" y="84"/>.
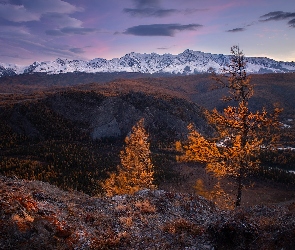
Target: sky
<point x="44" y="30"/>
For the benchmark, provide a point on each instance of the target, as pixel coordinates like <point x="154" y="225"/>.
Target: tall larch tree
<point x="241" y="133"/>
<point x="136" y="170"/>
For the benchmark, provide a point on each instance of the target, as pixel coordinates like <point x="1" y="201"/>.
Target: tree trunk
<point x="239" y="195"/>
<point x="243" y="145"/>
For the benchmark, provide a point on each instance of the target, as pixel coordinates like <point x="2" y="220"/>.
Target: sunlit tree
<point x="136" y="170"/>
<point x="241" y="133"/>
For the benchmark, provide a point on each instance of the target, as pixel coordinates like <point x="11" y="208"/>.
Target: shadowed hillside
<point x="73" y="138"/>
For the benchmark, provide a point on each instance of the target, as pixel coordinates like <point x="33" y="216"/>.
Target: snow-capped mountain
<point x="187" y="62"/>
<point x="11" y="69"/>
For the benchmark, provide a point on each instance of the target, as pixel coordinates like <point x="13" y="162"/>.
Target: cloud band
<point x="160" y="29"/>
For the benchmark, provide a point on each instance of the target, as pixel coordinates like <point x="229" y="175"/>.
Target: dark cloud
<point x="146" y="3"/>
<point x="70" y="31"/>
<point x="251" y="24"/>
<point x="77" y="50"/>
<point x="292" y="23"/>
<point x="159" y="29"/>
<point x="147" y="12"/>
<point x="28" y="10"/>
<point x="77" y="30"/>
<point x="152" y="8"/>
<point x="15" y="13"/>
<point x="158" y="12"/>
<point x="236" y="30"/>
<point x="279" y="15"/>
<point x="43" y="6"/>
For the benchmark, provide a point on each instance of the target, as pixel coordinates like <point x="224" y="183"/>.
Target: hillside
<point x="36" y="215"/>
<point x="28" y="83"/>
<point x="64" y="136"/>
<point x="268" y="88"/>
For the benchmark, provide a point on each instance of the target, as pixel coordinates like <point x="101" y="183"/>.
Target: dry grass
<point x="182" y="225"/>
<point x="145" y="207"/>
<point x="126" y="221"/>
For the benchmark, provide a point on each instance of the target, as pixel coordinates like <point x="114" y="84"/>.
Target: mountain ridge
<point x="185" y="63"/>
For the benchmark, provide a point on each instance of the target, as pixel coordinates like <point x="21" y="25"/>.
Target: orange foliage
<point x="136" y="171"/>
<point x="242" y="134"/>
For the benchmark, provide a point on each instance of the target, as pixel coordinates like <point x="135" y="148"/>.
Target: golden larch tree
<point x="241" y="133"/>
<point x="136" y="171"/>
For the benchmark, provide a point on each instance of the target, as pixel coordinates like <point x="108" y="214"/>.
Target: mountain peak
<point x="187" y="62"/>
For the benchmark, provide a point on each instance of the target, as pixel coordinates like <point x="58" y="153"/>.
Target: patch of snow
<point x="286" y="148"/>
<point x="222" y="143"/>
<point x="286" y="125"/>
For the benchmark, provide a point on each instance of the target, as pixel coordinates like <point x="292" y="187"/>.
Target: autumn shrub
<point x="145" y="207"/>
<point x="182" y="225"/>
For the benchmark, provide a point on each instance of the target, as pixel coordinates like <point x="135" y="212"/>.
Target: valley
<point x="55" y="132"/>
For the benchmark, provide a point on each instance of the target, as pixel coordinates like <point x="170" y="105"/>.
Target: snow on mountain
<point x="187" y="62"/>
<point x="8" y="69"/>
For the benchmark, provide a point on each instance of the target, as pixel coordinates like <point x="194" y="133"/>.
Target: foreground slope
<point x="36" y="215"/>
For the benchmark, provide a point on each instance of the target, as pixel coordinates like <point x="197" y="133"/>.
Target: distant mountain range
<point x="186" y="63"/>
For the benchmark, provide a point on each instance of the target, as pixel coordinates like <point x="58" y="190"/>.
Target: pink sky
<point x="43" y="30"/>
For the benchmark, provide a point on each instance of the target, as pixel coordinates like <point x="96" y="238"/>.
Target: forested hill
<point x="49" y="133"/>
<point x="268" y="88"/>
<point x="73" y="138"/>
